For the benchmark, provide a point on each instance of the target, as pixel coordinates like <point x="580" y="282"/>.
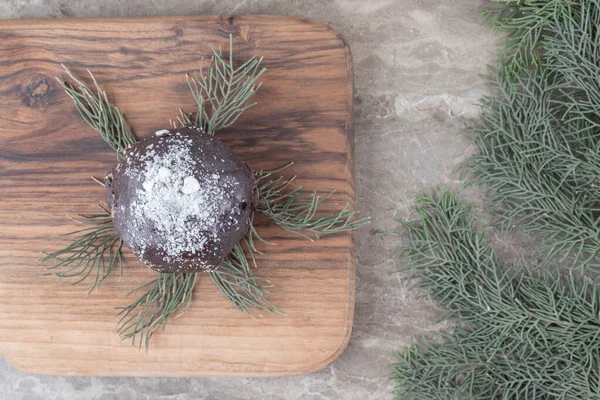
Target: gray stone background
<point x="417" y="66"/>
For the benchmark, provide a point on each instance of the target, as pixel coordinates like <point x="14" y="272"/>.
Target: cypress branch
<point x="531" y="335"/>
<point x="99" y="113"/>
<point x="223" y="93"/>
<point x="539" y="147"/>
<point x="95" y="252"/>
<point x="297" y="212"/>
<point x="166" y="295"/>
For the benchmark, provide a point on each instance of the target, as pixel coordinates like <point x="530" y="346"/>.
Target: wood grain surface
<point x="47" y="156"/>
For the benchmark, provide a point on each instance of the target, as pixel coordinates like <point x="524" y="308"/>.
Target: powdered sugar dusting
<point x="191" y="185"/>
<point x="162" y="132"/>
<point x="181" y="203"/>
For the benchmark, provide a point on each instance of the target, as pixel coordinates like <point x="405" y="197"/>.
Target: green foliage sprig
<point x="166" y="295"/>
<point x="539" y="143"/>
<point x="95" y="253"/>
<point x="526" y="25"/>
<point x="99" y="113"/>
<point x="222" y="95"/>
<point x="246" y="291"/>
<point x="530" y="335"/>
<point x="524" y="331"/>
<point x="296" y="212"/>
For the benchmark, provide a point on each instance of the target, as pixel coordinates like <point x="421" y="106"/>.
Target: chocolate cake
<point x="181" y="200"/>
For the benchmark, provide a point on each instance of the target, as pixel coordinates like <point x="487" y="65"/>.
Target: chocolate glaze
<point x="211" y="156"/>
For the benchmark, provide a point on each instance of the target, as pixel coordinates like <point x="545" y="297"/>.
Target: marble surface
<point x="417" y="66"/>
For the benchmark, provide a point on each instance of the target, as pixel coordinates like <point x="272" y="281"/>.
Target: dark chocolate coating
<point x="232" y="214"/>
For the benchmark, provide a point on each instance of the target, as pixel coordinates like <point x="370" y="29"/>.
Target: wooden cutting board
<point x="47" y="156"/>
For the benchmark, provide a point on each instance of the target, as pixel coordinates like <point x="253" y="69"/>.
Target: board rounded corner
<point x="13" y="363"/>
<point x="325" y="362"/>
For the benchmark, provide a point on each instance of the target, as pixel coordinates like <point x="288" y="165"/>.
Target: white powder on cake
<point x="190" y="185"/>
<point x="162" y="132"/>
<point x="183" y="207"/>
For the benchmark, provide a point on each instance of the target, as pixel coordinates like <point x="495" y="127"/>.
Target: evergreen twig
<point x="539" y="143"/>
<point x="99" y="113"/>
<point x="165" y="296"/>
<point x="530" y="335"/>
<point x="526" y="24"/>
<point x="223" y="93"/>
<point x="297" y="212"/>
<point x="171" y="293"/>
<point x="235" y="279"/>
<point x="525" y="333"/>
<point x="95" y="252"/>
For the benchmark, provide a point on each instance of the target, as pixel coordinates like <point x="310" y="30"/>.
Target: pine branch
<point x="172" y="293"/>
<point x="532" y="335"/>
<point x="296" y="212"/>
<point x="166" y="295"/>
<point x="527" y="24"/>
<point x="99" y="113"/>
<point x="95" y="252"/>
<point x="236" y="281"/>
<point x="223" y="94"/>
<point x="539" y="153"/>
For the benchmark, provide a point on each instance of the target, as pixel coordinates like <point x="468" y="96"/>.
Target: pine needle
<point x="539" y="143"/>
<point x="99" y="113"/>
<point x="247" y="292"/>
<point x="531" y="335"/>
<point x="172" y="293"/>
<point x="94" y="254"/>
<point x="526" y="24"/>
<point x="526" y="332"/>
<point x="223" y="93"/>
<point x="165" y="296"/>
<point x="297" y="212"/>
